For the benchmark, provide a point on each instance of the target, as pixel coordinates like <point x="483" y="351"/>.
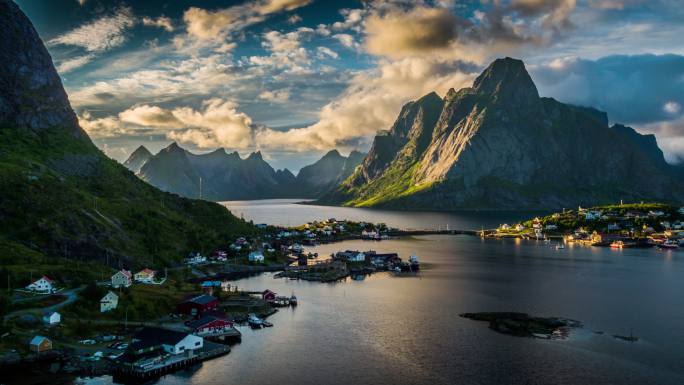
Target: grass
<point x="61" y="197"/>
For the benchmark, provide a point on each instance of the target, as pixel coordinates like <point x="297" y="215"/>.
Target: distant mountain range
<point x="226" y="176"/>
<point x="499" y="145"/>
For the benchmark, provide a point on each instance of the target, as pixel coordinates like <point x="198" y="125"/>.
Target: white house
<point x="109" y="302"/>
<point x="592" y="215"/>
<point x="195" y="259"/>
<point x="43" y="285"/>
<point x="122" y="278"/>
<point x="145" y="276"/>
<point x="52" y="318"/>
<point x="656" y="213"/>
<point x="356" y="257"/>
<point x="256" y="256"/>
<point x="171" y="341"/>
<point x="519" y="227"/>
<point x="505" y="226"/>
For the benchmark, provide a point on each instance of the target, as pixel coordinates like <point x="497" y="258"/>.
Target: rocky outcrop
<point x="499" y="145"/>
<point x="31" y="92"/>
<point x="137" y="159"/>
<point x="328" y="172"/>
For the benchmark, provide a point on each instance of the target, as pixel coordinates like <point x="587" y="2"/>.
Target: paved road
<point x="71" y="294"/>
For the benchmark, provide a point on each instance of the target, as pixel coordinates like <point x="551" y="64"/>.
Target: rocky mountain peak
<point x="255" y="156"/>
<point x="141" y="151"/>
<point x="507" y="79"/>
<point x="31" y="92"/>
<point x="332" y="154"/>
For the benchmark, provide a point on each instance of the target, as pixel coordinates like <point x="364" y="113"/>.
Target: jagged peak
<point x="507" y="77"/>
<point x="141" y="151"/>
<point x="332" y="154"/>
<point x="256" y="155"/>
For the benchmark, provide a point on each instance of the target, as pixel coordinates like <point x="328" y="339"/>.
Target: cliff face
<point x="499" y="145"/>
<point x="60" y="196"/>
<point x="31" y="93"/>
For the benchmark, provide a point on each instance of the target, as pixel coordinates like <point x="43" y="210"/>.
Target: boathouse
<point x="208" y="325"/>
<point x="152" y="339"/>
<point x="40" y="344"/>
<point x="268" y="295"/>
<point x="197" y="305"/>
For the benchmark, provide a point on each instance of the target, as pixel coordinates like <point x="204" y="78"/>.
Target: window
<point x="181" y="348"/>
<point x="198" y="343"/>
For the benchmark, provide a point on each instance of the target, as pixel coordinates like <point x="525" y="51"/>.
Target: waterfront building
<point x="40" y="344"/>
<point x="196" y="306"/>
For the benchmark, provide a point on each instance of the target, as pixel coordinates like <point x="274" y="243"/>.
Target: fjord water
<point x="391" y="329"/>
<point x="286" y="212"/>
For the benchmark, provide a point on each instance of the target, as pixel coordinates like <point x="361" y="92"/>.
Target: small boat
<point x="413" y="263"/>
<point x="668" y="244"/>
<point x="293" y="300"/>
<point x="255" y="322"/>
<point x="622" y="244"/>
<point x="560" y="246"/>
<point x="267" y="324"/>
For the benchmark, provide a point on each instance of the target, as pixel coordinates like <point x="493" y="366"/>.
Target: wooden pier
<point x="127" y="371"/>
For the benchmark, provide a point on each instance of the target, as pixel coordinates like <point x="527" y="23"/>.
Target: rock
<point x="524" y="325"/>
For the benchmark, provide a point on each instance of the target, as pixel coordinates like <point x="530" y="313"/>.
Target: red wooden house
<point x="209" y="325"/>
<point x="197" y="305"/>
<point x="268" y="295"/>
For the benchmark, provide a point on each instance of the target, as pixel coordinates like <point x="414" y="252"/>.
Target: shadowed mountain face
<point x="60" y="195"/>
<point x="137" y="159"/>
<point x="226" y="176"/>
<point x="499" y="145"/>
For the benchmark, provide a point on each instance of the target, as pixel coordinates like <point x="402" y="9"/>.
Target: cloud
<point x="71" y="64"/>
<point x="346" y="40"/>
<point x="418" y="30"/>
<point x="207" y="25"/>
<point x="150" y="116"/>
<point x="161" y="22"/>
<point x="294" y="19"/>
<point x="100" y="35"/>
<point x="632" y="89"/>
<point x="325" y="52"/>
<point x="278" y="96"/>
<point x="286" y="50"/>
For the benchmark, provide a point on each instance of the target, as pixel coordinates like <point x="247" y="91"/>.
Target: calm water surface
<point x="286" y="212"/>
<point x="406" y="330"/>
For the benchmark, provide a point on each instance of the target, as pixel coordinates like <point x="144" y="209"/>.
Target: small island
<point x="524" y="325"/>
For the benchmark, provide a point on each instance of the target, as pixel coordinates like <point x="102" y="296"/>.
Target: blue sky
<point x="295" y="78"/>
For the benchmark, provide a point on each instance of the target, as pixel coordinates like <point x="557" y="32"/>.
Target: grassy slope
<point x="60" y="196"/>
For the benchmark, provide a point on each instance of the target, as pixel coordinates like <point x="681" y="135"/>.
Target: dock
<point x="171" y="364"/>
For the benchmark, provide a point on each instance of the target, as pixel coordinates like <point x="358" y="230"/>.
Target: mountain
<point x="498" y="144"/>
<point x="137" y="159"/>
<point x="61" y="196"/>
<point x="226" y="176"/>
<point x="328" y="172"/>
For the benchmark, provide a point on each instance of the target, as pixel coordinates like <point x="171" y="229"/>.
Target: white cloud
<point x="346" y="40"/>
<point x="160" y="22"/>
<point x="277" y="96"/>
<point x="286" y="50"/>
<point x="324" y="52"/>
<point x="100" y="35"/>
<point x="294" y="19"/>
<point x="71" y="64"/>
<point x="672" y="108"/>
<point x="207" y="25"/>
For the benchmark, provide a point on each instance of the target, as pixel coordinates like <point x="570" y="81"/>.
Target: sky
<point x="296" y="78"/>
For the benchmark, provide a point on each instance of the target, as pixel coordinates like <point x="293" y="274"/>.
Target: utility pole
<point x="200" y="188"/>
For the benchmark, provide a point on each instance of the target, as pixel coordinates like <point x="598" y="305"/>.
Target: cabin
<point x="40" y="344"/>
<point x="351" y="256"/>
<point x="52" y="318"/>
<point x="268" y="295"/>
<point x="196" y="306"/>
<point x="256" y="256"/>
<point x="109" y="302"/>
<point x="122" y="278"/>
<point x="150" y="339"/>
<point x="208" y="325"/>
<point x="42" y="285"/>
<point x="195" y="259"/>
<point x="145" y="276"/>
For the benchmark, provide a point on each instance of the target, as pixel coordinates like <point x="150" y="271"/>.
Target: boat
<point x="254" y="321"/>
<point x="293" y="300"/>
<point x="413" y="263"/>
<point x="668" y="244"/>
<point x="267" y="324"/>
<point x="622" y="244"/>
<point x="560" y="246"/>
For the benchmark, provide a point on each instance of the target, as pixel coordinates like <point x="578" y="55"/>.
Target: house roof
<point x="146" y="271"/>
<point x="49" y="314"/>
<point x="201" y="299"/>
<point x="196" y="324"/>
<point x="124" y="272"/>
<point x="151" y="336"/>
<point x="45" y="277"/>
<point x="109" y="293"/>
<point x="37" y="340"/>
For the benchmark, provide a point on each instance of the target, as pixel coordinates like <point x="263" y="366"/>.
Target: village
<point x="146" y="322"/>
<point x="616" y="226"/>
